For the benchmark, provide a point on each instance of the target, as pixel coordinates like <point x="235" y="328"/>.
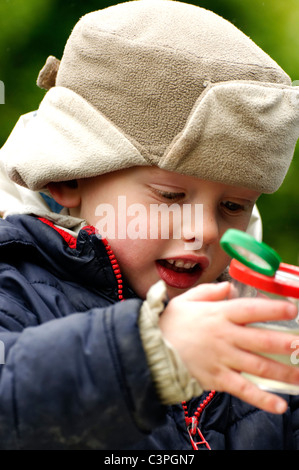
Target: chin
<point x="174" y="292"/>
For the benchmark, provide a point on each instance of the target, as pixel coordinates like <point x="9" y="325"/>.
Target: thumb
<point x="209" y="292"/>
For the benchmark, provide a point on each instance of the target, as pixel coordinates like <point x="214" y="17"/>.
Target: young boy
<point x="120" y="341"/>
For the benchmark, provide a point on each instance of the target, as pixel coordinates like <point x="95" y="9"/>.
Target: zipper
<point x="192" y="422"/>
<point x="116" y="269"/>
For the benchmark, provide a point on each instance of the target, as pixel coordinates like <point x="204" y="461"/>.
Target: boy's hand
<point x="209" y="333"/>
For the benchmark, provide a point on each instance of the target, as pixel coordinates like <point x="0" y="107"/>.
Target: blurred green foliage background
<point x="30" y="30"/>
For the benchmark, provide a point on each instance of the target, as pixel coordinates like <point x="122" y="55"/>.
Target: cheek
<point x="133" y="256"/>
<point x="136" y="259"/>
<point x="219" y="262"/>
<point x="129" y="252"/>
<point x="222" y="261"/>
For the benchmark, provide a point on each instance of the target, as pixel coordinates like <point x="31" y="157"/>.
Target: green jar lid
<point x="249" y="251"/>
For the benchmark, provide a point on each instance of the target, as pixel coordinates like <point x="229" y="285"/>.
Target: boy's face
<point x="181" y="245"/>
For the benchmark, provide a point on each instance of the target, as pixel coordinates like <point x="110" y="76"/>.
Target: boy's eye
<point x="232" y="207"/>
<point x="170" y="195"/>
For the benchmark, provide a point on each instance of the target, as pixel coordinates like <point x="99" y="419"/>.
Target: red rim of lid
<point x="283" y="287"/>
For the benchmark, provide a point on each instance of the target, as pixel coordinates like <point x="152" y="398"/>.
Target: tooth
<point x="179" y="263"/>
<point x="188" y="265"/>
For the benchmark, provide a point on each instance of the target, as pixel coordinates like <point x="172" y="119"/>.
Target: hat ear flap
<point x="47" y="76"/>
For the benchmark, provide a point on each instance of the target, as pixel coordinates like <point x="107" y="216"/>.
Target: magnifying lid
<point x="254" y="254"/>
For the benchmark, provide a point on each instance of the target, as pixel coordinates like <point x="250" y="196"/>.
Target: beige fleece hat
<point x="160" y="82"/>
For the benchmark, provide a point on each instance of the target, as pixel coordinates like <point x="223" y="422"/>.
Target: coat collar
<point x="87" y="259"/>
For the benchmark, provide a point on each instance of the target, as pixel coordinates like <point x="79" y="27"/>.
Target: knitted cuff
<point x="171" y="377"/>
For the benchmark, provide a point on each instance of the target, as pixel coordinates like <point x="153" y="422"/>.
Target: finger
<point x="263" y="340"/>
<point x="265" y="367"/>
<point x="245" y="390"/>
<point x="250" y="310"/>
<point x="209" y="292"/>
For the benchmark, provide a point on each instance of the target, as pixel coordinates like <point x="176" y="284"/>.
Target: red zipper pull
<point x="192" y="423"/>
<point x="203" y="441"/>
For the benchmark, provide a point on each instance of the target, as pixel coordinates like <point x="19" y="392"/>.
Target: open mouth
<point x="180" y="266"/>
<point x="181" y="273"/>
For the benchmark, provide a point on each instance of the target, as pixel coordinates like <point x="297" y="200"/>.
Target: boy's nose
<point x="210" y="227"/>
<point x="201" y="231"/>
<point x="192" y="227"/>
<point x="205" y="233"/>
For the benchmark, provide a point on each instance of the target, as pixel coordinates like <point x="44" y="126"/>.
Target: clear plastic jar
<point x="284" y="285"/>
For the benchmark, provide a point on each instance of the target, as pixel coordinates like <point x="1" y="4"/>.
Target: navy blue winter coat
<point x="75" y="374"/>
